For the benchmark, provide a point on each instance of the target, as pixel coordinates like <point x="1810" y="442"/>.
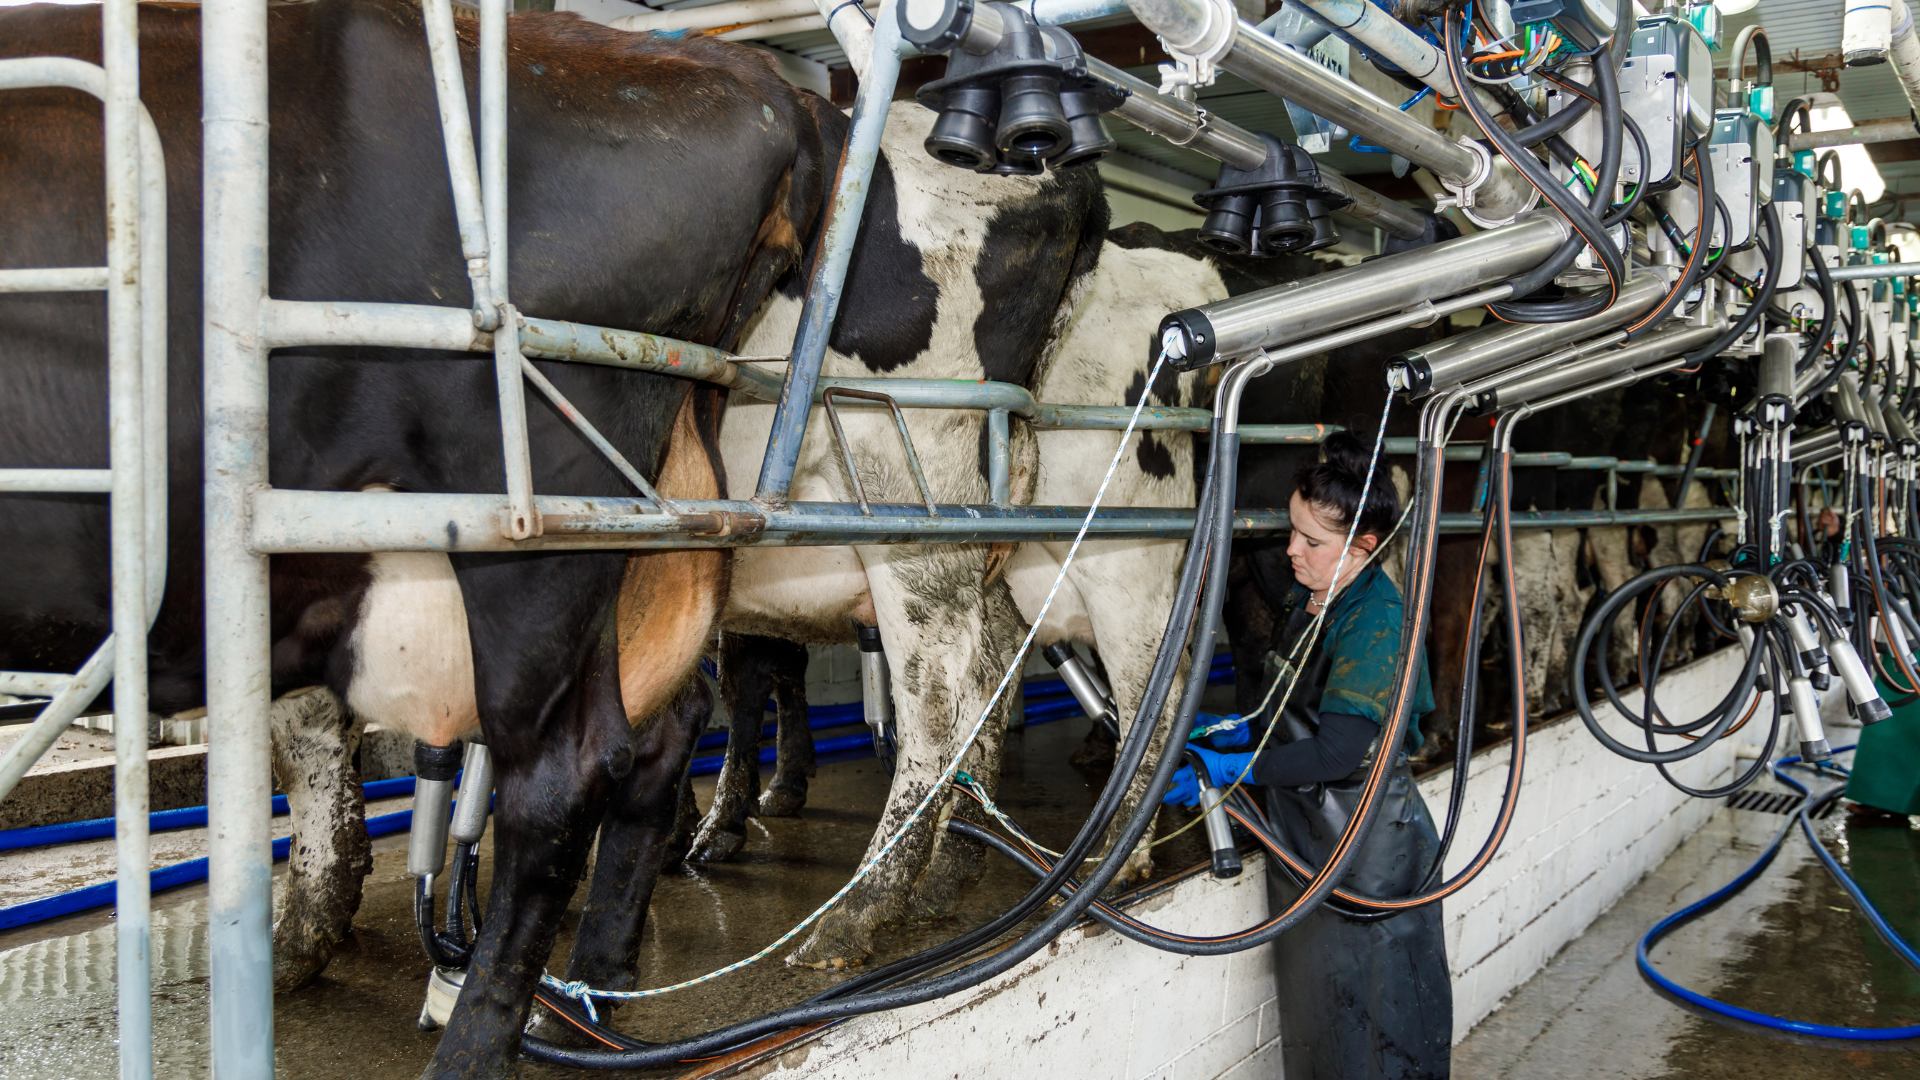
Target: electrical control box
<point x="1792" y="199"/>
<point x="1741" y="149"/>
<point x="1584" y="23"/>
<point x="1666" y="86"/>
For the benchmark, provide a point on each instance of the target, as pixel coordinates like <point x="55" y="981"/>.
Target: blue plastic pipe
<point x="1698" y="907"/>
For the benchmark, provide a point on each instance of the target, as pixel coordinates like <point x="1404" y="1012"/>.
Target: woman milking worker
<point x="1356" y="998"/>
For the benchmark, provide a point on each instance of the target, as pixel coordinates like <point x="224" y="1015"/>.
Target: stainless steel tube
<point x="1180" y="122"/>
<point x="1449" y="362"/>
<point x="1186" y="25"/>
<point x="1655" y="347"/>
<point x="1882" y="270"/>
<point x="1271" y="317"/>
<point x="1815" y="444"/>
<point x="476" y="790"/>
<point x="1866" y="131"/>
<point x="239" y="778"/>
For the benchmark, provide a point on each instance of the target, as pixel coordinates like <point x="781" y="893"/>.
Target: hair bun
<point x="1346" y="453"/>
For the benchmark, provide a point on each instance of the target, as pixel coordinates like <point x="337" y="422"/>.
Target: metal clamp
<point x="1461" y="195"/>
<point x="846" y="448"/>
<point x="1194" y="64"/>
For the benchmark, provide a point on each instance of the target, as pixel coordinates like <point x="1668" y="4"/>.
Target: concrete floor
<point x="56" y="980"/>
<point x="1790" y="945"/>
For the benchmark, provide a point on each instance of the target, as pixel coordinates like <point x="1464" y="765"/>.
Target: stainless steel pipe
<point x="1286" y="313"/>
<point x="1465" y="357"/>
<point x="1181" y="123"/>
<point x="1191" y="26"/>
<point x="1869" y="270"/>
<point x="1657" y="346"/>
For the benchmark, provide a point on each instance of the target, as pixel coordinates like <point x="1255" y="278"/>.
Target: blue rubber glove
<point x="1238" y="735"/>
<point x="1184" y="791"/>
<point x="1224" y="769"/>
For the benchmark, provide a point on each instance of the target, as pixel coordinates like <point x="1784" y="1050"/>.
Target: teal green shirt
<point x="1362" y="638"/>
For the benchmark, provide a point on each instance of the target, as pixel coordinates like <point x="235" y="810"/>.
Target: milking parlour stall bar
<point x="1125" y="444"/>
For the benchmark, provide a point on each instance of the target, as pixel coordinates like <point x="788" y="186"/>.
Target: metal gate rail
<point x="134" y="279"/>
<point x="246" y="520"/>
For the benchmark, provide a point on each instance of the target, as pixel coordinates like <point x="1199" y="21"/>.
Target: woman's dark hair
<point x="1333" y="487"/>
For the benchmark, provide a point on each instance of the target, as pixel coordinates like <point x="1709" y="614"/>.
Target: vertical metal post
<point x="120" y="56"/>
<point x="999" y="458"/>
<point x="456" y="131"/>
<point x="522" y="519"/>
<point x="239" y="776"/>
<point x="836" y="251"/>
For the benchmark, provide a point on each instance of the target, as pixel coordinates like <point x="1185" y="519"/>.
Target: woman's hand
<point x="1222" y="770"/>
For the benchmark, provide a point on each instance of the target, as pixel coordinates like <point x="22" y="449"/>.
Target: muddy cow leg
<point x="945" y="660"/>
<point x="313" y="743"/>
<point x="634" y="838"/>
<point x="787" y="668"/>
<point x="744" y="686"/>
<point x="549" y="699"/>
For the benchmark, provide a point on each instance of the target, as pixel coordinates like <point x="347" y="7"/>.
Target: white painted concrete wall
<point x="1588" y="827"/>
<point x="1590" y="824"/>
<point x="1091" y="1005"/>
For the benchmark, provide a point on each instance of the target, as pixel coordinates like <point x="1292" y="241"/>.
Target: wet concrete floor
<point x="358" y="1018"/>
<point x="1790" y="945"/>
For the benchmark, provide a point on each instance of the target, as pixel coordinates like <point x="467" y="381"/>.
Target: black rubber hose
<point x="1590" y="636"/>
<point x="1770" y="217"/>
<point x="1626" y="209"/>
<point x="1587" y="227"/>
<point x="1696" y="255"/>
<point x="1225" y="454"/>
<point x="1828" y="306"/>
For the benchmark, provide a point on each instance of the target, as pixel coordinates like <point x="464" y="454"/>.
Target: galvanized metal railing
<point x="134" y="279"/>
<point x="246" y="520"/>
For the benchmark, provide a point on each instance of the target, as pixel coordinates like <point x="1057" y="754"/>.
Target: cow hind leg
<point x="743" y="694"/>
<point x="945" y="660"/>
<point x="788" y="791"/>
<point x="635" y="838"/>
<point x="551" y="786"/>
<point x="314" y="739"/>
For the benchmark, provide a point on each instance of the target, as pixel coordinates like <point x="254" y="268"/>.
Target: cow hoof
<point x="777" y="803"/>
<point x="1138" y="868"/>
<point x="835" y="945"/>
<point x="296" y="965"/>
<point x="715" y="845"/>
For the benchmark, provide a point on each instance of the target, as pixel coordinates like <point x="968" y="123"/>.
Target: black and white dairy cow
<point x="658" y="185"/>
<point x="963" y="276"/>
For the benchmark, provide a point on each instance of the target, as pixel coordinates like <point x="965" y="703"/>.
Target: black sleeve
<point x="1332" y="754"/>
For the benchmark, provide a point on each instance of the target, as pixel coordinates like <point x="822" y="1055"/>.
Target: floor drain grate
<point x="1775" y="802"/>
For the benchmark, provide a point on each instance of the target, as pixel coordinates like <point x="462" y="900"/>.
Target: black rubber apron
<point x="1357" y="999"/>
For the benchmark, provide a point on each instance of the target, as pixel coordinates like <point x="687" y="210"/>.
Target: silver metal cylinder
<point x="1276" y="316"/>
<point x="476" y="795"/>
<point x="1183" y="124"/>
<point x="1226" y="856"/>
<point x="1451" y="361"/>
<point x="427" y="838"/>
<point x="1881" y="270"/>
<point x="1876" y="419"/>
<point x="1189" y="26"/>
<point x="1777" y="357"/>
<point x="1652" y="349"/>
<point x="1847" y="403"/>
<point x="1866" y="699"/>
<point x="1806" y="719"/>
<point x="1841" y="583"/>
<point x="1819" y="443"/>
<point x="1806" y="641"/>
<point x="436" y="768"/>
<point x="876" y="690"/>
<point x="1085" y="686"/>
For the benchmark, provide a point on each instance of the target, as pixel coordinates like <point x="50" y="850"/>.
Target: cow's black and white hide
<point x="956" y="276"/>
